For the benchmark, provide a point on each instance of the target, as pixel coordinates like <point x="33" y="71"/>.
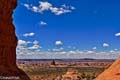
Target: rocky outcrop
<point x="112" y="73"/>
<point x="8" y="43"/>
<point x="71" y="74"/>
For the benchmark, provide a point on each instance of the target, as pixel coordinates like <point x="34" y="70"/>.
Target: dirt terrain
<point x="63" y="70"/>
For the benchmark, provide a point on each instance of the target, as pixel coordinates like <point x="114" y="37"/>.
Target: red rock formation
<point x="53" y="63"/>
<point x="112" y="73"/>
<point x="8" y="42"/>
<point x="71" y="74"/>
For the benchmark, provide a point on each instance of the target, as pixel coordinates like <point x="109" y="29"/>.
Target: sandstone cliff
<point x="8" y="42"/>
<point x="112" y="73"/>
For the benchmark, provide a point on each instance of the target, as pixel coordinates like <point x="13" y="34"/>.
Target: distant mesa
<point x="53" y="63"/>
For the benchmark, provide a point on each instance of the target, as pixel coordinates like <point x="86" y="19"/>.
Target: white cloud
<point x="58" y="43"/>
<point x="29" y="34"/>
<point x="26" y="5"/>
<point x="23" y="46"/>
<point x="35" y="42"/>
<point x="116" y="49"/>
<point x="73" y="52"/>
<point x="34" y="47"/>
<point x="106" y="45"/>
<point x="117" y="34"/>
<point x="26" y="54"/>
<point x="46" y="6"/>
<point x="22" y="43"/>
<point x="59" y="11"/>
<point x="94" y="48"/>
<point x="58" y="50"/>
<point x="42" y="23"/>
<point x="90" y="52"/>
<point x="28" y="42"/>
<point x="34" y="52"/>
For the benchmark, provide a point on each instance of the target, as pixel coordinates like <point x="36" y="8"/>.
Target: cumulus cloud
<point x="58" y="43"/>
<point x="22" y="43"/>
<point x="42" y="23"/>
<point x="34" y="52"/>
<point x="35" y="42"/>
<point x="29" y="34"/>
<point x="106" y="45"/>
<point x="34" y="47"/>
<point x="117" y="34"/>
<point x="46" y="6"/>
<point x="68" y="55"/>
<point x="21" y="47"/>
<point x="24" y="48"/>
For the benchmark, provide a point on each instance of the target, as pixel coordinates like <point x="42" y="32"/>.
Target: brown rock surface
<point x="112" y="73"/>
<point x="8" y="42"/>
<point x="71" y="74"/>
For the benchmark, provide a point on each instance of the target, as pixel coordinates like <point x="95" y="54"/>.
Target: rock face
<point x="112" y="73"/>
<point x="8" y="42"/>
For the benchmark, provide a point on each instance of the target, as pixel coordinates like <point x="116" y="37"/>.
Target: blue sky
<point x="73" y="24"/>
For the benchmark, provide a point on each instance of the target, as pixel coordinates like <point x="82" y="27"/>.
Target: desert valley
<point x="64" y="69"/>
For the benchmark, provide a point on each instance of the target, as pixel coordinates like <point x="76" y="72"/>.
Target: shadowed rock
<point x="8" y="42"/>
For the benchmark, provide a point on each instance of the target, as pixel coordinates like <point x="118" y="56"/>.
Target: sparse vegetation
<point x="49" y="72"/>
